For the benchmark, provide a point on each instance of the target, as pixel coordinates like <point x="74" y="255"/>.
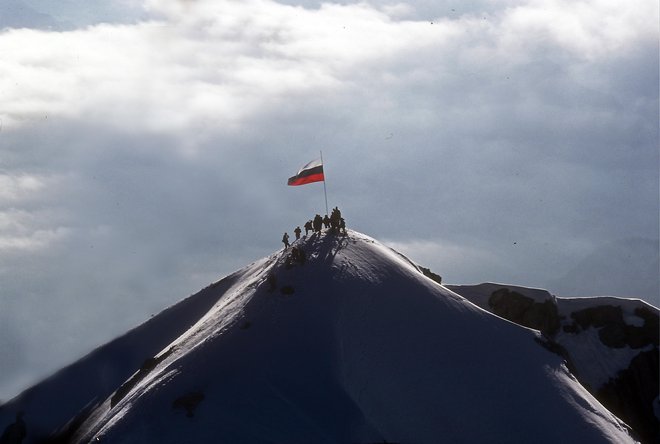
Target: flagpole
<point x="325" y="192"/>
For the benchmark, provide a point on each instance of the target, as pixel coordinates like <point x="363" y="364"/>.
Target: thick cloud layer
<point x="144" y="157"/>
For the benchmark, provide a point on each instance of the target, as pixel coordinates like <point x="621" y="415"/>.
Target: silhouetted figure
<point x="15" y="432"/>
<point x="335" y="219"/>
<point x="326" y="222"/>
<point x="285" y="240"/>
<point x="308" y="227"/>
<point x="342" y="225"/>
<point x="318" y="223"/>
<point x="297" y="231"/>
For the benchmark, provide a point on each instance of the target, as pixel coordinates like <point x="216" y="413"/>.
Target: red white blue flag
<point x="312" y="172"/>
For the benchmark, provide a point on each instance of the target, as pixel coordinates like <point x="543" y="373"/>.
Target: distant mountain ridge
<point x="352" y="344"/>
<point x="601" y="272"/>
<point x="66" y="15"/>
<point x="18" y="14"/>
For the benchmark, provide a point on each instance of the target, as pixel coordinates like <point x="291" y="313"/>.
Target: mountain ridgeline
<point x="355" y="344"/>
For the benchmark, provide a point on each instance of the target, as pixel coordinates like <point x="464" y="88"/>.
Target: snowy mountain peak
<point x="342" y="340"/>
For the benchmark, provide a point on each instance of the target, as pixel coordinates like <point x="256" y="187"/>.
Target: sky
<point x="145" y="148"/>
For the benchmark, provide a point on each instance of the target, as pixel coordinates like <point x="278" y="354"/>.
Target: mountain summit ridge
<point x="353" y="344"/>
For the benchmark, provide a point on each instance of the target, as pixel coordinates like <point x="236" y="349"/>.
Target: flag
<point x="312" y="172"/>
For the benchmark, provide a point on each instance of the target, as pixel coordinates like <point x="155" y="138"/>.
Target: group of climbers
<point x="334" y="224"/>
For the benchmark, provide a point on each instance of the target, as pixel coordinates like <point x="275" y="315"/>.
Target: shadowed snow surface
<point x="356" y="345"/>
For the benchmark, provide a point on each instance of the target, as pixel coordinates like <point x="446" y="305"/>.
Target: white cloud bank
<point x="224" y="61"/>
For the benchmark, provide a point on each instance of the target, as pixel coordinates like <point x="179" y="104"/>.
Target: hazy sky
<point x="145" y="147"/>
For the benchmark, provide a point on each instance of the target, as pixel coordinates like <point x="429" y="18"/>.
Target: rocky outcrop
<point x="630" y="396"/>
<point x="613" y="331"/>
<point x="525" y="311"/>
<point x="630" y="393"/>
<point x="147" y="366"/>
<point x="188" y="402"/>
<point x="429" y="274"/>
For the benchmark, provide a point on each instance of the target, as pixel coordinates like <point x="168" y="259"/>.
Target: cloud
<point x="17" y="187"/>
<point x="202" y="59"/>
<point x="143" y="159"/>
<point x="456" y="261"/>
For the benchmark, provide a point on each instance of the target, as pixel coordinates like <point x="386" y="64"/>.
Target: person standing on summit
<point x="285" y="240"/>
<point x="335" y="219"/>
<point x="342" y="225"/>
<point x="318" y="223"/>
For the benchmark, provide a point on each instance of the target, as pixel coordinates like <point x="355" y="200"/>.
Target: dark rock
<point x="598" y="316"/>
<point x="651" y="326"/>
<point x="631" y="393"/>
<point x="525" y="311"/>
<point x="559" y="350"/>
<point x="613" y="335"/>
<point x="614" y="332"/>
<point x="147" y="366"/>
<point x="431" y="275"/>
<point x="287" y="290"/>
<point x="630" y="396"/>
<point x="188" y="402"/>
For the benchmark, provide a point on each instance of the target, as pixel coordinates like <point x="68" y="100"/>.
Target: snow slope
<point x="55" y="401"/>
<point x="596" y="362"/>
<point x="611" y="343"/>
<point x="354" y="346"/>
